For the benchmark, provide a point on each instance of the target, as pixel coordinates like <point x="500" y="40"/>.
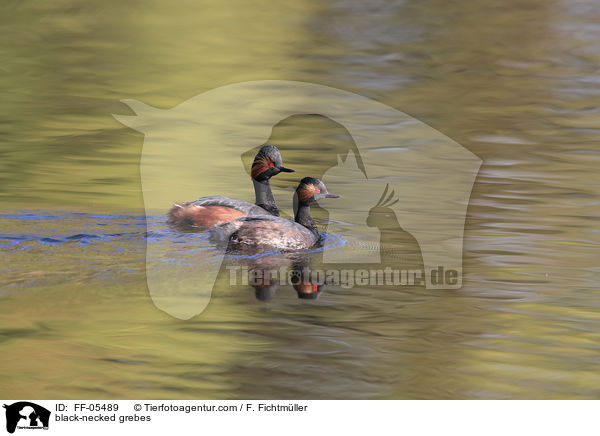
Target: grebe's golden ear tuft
<point x="261" y="164"/>
<point x="305" y="191"/>
<point x="143" y="117"/>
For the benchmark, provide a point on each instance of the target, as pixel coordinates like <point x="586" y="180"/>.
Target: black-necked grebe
<point x="258" y="232"/>
<point x="214" y="210"/>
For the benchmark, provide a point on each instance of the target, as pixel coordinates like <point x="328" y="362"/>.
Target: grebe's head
<point x="267" y="163"/>
<point x="311" y="189"/>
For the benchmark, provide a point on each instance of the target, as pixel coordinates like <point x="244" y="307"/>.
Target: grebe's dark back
<point x="214" y="210"/>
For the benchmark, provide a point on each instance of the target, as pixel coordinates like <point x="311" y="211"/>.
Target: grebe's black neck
<point x="264" y="196"/>
<point x="304" y="218"/>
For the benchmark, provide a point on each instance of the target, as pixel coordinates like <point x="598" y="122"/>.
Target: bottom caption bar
<point x="264" y="417"/>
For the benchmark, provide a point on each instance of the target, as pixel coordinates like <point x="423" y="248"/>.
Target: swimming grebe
<point x="214" y="210"/>
<point x="253" y="232"/>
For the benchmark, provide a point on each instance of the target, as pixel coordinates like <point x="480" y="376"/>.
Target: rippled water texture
<point x="514" y="82"/>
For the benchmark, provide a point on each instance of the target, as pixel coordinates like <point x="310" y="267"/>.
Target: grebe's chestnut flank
<point x="266" y="231"/>
<point x="214" y="210"/>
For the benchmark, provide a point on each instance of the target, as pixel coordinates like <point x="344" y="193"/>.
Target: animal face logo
<point x="25" y="414"/>
<point x="429" y="174"/>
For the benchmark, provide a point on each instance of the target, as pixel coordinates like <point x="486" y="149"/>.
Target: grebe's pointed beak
<point x="331" y="196"/>
<point x="286" y="170"/>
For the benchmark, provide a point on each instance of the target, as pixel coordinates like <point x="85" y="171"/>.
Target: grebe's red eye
<point x="271" y="164"/>
<point x="318" y="191"/>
